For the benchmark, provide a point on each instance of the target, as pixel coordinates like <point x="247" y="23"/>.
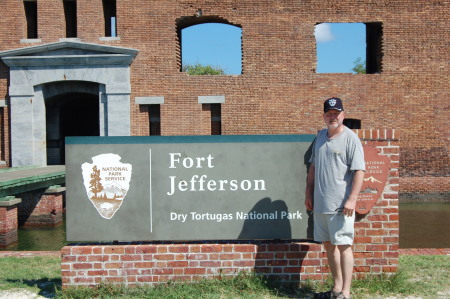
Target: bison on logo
<point x="107" y="181"/>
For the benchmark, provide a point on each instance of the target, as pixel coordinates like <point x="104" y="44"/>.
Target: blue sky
<point x="338" y="46"/>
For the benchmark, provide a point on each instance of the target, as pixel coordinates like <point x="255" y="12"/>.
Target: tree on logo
<point x="95" y="184"/>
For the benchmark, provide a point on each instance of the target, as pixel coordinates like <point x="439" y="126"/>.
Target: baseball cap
<point x="333" y="103"/>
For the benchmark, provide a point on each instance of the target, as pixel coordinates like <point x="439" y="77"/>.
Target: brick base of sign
<point x="375" y="248"/>
<point x="42" y="207"/>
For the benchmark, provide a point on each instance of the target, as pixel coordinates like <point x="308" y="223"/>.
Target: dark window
<point x="70" y="14"/>
<point x="31" y="18"/>
<point x="216" y="119"/>
<point x="109" y="13"/>
<point x="154" y="115"/>
<point x="374" y="53"/>
<point x="352" y="123"/>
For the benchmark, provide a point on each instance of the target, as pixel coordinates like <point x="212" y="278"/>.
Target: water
<point x="422" y="225"/>
<point x="31" y="238"/>
<point x="425" y="225"/>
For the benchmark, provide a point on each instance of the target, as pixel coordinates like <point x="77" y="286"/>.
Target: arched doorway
<point x="70" y="114"/>
<point x="36" y="76"/>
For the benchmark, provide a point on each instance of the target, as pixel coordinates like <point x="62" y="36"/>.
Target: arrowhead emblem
<point x="377" y="172"/>
<point x="107" y="181"/>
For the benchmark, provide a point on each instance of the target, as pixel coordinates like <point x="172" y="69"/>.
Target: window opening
<point x="352" y="123"/>
<point x="70" y="14"/>
<point x="109" y="12"/>
<point x="349" y="47"/>
<point x="31" y="18"/>
<point x="210" y="45"/>
<point x="216" y="119"/>
<point x="154" y="114"/>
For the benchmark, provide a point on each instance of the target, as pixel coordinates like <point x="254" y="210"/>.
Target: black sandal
<point x="327" y="295"/>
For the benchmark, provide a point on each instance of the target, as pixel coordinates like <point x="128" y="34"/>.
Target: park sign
<point x="149" y="188"/>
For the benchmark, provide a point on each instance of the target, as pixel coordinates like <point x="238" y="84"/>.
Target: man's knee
<point x="343" y="249"/>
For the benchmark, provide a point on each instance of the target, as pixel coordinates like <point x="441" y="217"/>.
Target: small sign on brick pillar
<point x="8" y="221"/>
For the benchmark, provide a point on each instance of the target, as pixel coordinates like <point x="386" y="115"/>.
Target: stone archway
<point x="34" y="68"/>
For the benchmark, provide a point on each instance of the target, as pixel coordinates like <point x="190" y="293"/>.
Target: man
<point x="334" y="180"/>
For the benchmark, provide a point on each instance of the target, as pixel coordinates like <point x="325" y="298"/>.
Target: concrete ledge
<point x="8" y="201"/>
<point x="55" y="189"/>
<point x="211" y="99"/>
<point x="108" y="38"/>
<point x="149" y="100"/>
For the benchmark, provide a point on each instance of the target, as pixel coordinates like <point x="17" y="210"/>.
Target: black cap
<point x="333" y="103"/>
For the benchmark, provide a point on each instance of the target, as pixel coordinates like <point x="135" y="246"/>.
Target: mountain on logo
<point x="371" y="179"/>
<point x="114" y="191"/>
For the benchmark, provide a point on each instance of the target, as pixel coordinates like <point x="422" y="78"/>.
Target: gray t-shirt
<point x="335" y="161"/>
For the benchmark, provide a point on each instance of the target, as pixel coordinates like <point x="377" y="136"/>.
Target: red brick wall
<point x="279" y="91"/>
<point x="40" y="208"/>
<point x="8" y="225"/>
<point x="376" y="247"/>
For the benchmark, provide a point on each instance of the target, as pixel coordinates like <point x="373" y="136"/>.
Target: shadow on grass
<point x="241" y="286"/>
<point x="47" y="287"/>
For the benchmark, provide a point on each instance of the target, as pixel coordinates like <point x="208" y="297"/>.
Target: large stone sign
<point x="186" y="187"/>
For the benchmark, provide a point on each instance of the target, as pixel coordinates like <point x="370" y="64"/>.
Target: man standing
<point x="334" y="180"/>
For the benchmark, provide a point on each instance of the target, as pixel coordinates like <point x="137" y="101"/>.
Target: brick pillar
<point x="8" y="221"/>
<point x="377" y="233"/>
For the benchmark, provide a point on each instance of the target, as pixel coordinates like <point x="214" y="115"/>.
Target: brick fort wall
<point x="279" y="91"/>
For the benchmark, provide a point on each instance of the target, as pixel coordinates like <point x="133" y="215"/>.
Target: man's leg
<point x="334" y="261"/>
<point x="346" y="259"/>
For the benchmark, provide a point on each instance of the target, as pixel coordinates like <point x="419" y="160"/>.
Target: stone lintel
<point x="149" y="100"/>
<point x="218" y="99"/>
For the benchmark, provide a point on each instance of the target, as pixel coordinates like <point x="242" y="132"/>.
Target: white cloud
<point x="323" y="33"/>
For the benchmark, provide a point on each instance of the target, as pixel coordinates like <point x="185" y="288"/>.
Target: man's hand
<point x="350" y="206"/>
<point x="309" y="193"/>
<point x="308" y="203"/>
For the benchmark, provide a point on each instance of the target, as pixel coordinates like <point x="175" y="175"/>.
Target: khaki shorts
<point x="336" y="228"/>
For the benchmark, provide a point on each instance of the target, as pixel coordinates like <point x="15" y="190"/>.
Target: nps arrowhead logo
<point x="375" y="178"/>
<point x="107" y="181"/>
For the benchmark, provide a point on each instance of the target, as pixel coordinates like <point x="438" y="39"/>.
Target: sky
<point x="219" y="45"/>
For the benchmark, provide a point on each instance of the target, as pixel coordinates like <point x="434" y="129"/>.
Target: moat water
<point x="422" y="225"/>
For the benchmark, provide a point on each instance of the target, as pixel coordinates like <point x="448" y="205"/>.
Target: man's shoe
<point x="327" y="295"/>
<point x="341" y="296"/>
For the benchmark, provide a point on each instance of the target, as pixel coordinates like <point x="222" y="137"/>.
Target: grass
<point x="424" y="276"/>
<point x="40" y="274"/>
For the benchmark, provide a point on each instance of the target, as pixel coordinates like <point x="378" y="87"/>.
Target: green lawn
<point x="424" y="276"/>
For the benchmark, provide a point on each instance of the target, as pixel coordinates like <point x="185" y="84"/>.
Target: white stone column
<point x="39" y="128"/>
<point x="117" y="116"/>
<point x="22" y="140"/>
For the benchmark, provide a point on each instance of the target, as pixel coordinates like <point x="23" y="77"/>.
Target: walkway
<point x="22" y="179"/>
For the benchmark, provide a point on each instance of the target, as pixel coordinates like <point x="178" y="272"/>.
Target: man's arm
<point x="350" y="204"/>
<point x="309" y="193"/>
